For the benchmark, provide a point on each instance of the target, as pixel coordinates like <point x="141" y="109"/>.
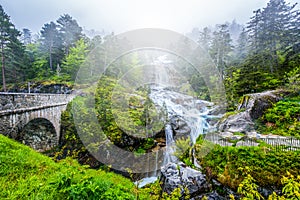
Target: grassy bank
<point x="26" y="174"/>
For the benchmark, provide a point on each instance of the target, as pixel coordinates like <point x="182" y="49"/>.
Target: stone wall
<point x="12" y="101"/>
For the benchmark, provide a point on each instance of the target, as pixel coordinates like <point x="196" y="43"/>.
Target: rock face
<point x="180" y="127"/>
<point x="257" y="103"/>
<point x="39" y="134"/>
<point x="176" y="175"/>
<point x="251" y="108"/>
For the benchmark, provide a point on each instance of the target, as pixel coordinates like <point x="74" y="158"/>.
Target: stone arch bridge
<point x="19" y="110"/>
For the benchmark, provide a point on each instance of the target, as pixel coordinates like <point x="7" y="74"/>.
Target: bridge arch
<point x="39" y="133"/>
<point x="19" y="111"/>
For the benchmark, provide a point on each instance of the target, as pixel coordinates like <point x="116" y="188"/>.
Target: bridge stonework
<point x="18" y="109"/>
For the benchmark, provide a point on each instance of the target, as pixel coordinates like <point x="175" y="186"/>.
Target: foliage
<point x="293" y="79"/>
<point x="183" y="150"/>
<point x="75" y="58"/>
<point x="120" y="120"/>
<point x="70" y="32"/>
<point x="291" y="189"/>
<point x="154" y="191"/>
<point x="51" y="42"/>
<point x="267" y="166"/>
<point x="283" y="118"/>
<point x="26" y="174"/>
<point x="11" y="50"/>
<point x="247" y="188"/>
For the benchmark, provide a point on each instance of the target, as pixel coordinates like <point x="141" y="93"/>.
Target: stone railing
<point x="13" y="101"/>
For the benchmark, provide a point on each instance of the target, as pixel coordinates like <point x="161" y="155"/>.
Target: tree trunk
<point x="3" y="68"/>
<point x="50" y="59"/>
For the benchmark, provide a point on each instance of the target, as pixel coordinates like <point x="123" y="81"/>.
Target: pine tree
<point x="70" y="31"/>
<point x="26" y="36"/>
<point x="241" y="49"/>
<point x="205" y="38"/>
<point x="51" y="43"/>
<point x="273" y="29"/>
<point x="10" y="47"/>
<point x="221" y="47"/>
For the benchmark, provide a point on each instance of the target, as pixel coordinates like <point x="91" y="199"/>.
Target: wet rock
<point x="226" y="134"/>
<point x="179" y="175"/>
<point x="264" y="192"/>
<point x="251" y="107"/>
<point x="257" y="103"/>
<point x="180" y="127"/>
<point x="210" y="196"/>
<point x="240" y="122"/>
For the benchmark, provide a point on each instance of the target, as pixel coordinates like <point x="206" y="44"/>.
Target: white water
<point x="193" y="111"/>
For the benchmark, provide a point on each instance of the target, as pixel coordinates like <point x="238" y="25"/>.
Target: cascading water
<point x="169" y="153"/>
<point x="193" y="111"/>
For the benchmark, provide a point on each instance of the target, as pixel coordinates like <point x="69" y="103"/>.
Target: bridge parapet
<point x="13" y="101"/>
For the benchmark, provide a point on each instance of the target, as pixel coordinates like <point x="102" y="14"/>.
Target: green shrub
<point x="267" y="166"/>
<point x="283" y="118"/>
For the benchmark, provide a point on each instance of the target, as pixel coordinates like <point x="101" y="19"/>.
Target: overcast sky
<point x="123" y="15"/>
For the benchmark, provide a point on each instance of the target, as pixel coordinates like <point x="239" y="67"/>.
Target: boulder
<point x="180" y="127"/>
<point x="174" y="175"/>
<point x="210" y="196"/>
<point x="257" y="103"/>
<point x="251" y="108"/>
<point x="240" y="122"/>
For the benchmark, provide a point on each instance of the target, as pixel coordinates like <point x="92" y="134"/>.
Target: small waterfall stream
<point x="193" y="111"/>
<point x="190" y="110"/>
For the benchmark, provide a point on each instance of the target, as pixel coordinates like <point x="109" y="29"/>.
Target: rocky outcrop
<point x="175" y="175"/>
<point x="180" y="127"/>
<point x="251" y="108"/>
<point x="255" y="104"/>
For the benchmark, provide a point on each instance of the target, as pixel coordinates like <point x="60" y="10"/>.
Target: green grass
<point x="26" y="174"/>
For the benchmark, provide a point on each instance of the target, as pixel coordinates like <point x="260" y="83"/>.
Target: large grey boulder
<point x="255" y="104"/>
<point x="180" y="127"/>
<point x="252" y="107"/>
<point x="174" y="175"/>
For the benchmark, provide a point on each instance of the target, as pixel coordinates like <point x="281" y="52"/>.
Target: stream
<point x="187" y="118"/>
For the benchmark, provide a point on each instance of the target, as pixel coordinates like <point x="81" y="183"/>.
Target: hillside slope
<point x="26" y="174"/>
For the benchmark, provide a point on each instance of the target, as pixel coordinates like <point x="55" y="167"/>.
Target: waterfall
<point x="170" y="146"/>
<point x="193" y="111"/>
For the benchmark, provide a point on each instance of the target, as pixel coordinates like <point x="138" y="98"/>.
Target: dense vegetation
<point x="264" y="54"/>
<point x="282" y="118"/>
<point x="265" y="164"/>
<point x="245" y="169"/>
<point x="32" y="175"/>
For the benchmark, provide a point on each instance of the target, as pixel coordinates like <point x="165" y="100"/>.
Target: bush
<point x="267" y="166"/>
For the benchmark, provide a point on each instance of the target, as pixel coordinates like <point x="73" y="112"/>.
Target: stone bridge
<point x="33" y="119"/>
